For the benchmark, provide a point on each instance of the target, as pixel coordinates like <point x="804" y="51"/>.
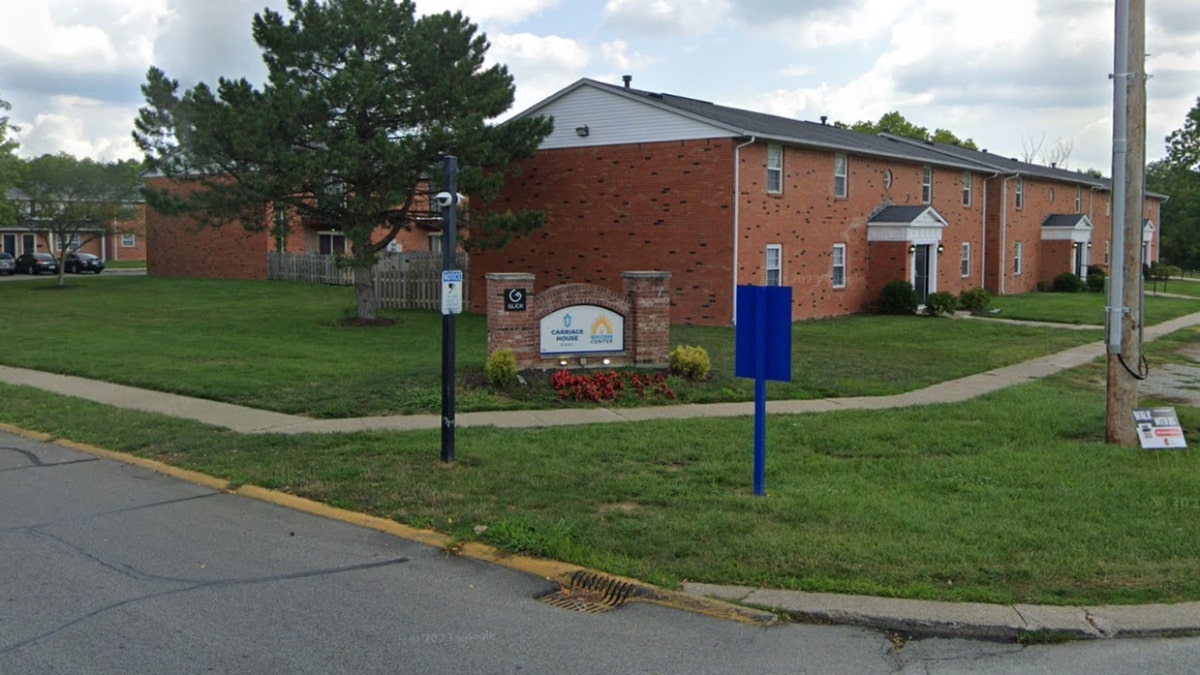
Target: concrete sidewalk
<point x="916" y="617"/>
<point x="251" y="421"/>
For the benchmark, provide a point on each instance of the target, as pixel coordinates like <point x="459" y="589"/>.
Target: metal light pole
<point x="449" y="264"/>
<point x="1128" y="171"/>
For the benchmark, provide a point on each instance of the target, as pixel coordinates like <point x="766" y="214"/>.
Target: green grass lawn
<point x="1012" y="497"/>
<point x="1086" y="308"/>
<point x="279" y="346"/>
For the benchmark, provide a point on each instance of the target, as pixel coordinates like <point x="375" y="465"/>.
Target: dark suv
<point x="36" y="263"/>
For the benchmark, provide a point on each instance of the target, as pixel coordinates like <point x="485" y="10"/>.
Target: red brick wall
<point x="660" y="206"/>
<point x="179" y="247"/>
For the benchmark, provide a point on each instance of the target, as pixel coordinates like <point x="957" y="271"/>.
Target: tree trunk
<point x="366" y="301"/>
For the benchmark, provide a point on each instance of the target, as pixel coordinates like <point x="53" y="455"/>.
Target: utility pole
<point x="1128" y="171"/>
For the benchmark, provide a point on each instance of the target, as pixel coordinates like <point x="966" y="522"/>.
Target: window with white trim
<point x="965" y="261"/>
<point x="926" y="184"/>
<point x="1108" y="205"/>
<point x="839" y="266"/>
<point x="774" y="265"/>
<point x="1078" y="199"/>
<point x="128" y="240"/>
<point x="1018" y="250"/>
<point x="840" y="179"/>
<point x="1020" y="193"/>
<point x="966" y="188"/>
<point x="774" y="168"/>
<point x="1107" y="250"/>
<point x="435" y="242"/>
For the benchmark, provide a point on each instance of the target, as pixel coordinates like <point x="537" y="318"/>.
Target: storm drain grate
<point x="591" y="593"/>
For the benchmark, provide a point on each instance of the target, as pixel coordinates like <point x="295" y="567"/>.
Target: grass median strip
<point x="1012" y="497"/>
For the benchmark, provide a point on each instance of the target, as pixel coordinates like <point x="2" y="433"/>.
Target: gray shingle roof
<point x="1069" y="220"/>
<point x="900" y="214"/>
<point x="814" y="134"/>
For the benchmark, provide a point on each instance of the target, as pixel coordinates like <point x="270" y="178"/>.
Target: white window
<point x="839" y="265"/>
<point x="774" y="264"/>
<point x="1020" y="193"/>
<point x="435" y="242"/>
<point x="1018" y="250"/>
<point x="926" y="184"/>
<point x="965" y="264"/>
<point x="128" y="240"/>
<point x="1108" y="205"/>
<point x="1078" y="199"/>
<point x="330" y="243"/>
<point x="966" y="188"/>
<point x="1107" y="250"/>
<point x="840" y="182"/>
<point x="774" y="168"/>
<point x="69" y="242"/>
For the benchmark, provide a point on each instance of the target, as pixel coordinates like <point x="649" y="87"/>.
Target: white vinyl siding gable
<point x="612" y="119"/>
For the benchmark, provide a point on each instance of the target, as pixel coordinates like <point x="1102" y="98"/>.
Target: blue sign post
<point x="763" y="350"/>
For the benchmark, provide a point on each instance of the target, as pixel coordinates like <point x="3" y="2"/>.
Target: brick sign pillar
<point x="514" y="330"/>
<point x="649" y="327"/>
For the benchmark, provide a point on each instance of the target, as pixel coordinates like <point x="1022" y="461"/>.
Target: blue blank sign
<point x="764" y="324"/>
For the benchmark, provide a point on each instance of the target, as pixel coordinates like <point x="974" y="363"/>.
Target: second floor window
<point x="840" y="179"/>
<point x="1020" y="193"/>
<point x="966" y="188"/>
<point x="774" y="168"/>
<point x="926" y="184"/>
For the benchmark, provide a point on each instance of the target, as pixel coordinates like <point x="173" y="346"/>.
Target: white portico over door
<point x="920" y="228"/>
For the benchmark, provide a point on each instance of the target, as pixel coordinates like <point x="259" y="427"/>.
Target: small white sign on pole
<point x="1158" y="428"/>
<point x="452" y="295"/>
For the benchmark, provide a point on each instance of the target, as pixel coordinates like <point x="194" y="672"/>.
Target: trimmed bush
<point x="1096" y="278"/>
<point x="1068" y="282"/>
<point x="976" y="301"/>
<point x="690" y="362"/>
<point x="501" y="369"/>
<point x="940" y="303"/>
<point x="898" y="297"/>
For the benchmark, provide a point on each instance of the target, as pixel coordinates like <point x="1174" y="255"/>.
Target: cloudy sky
<point x="1012" y="75"/>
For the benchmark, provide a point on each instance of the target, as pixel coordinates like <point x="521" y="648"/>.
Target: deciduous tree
<point x="362" y="100"/>
<point x="896" y="124"/>
<point x="70" y="202"/>
<point x="1178" y="176"/>
<point x="9" y="167"/>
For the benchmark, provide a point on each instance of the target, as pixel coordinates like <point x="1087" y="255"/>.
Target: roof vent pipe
<point x="627" y="79"/>
<point x="824" y="118"/>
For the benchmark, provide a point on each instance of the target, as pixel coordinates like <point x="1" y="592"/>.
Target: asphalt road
<point x="108" y="568"/>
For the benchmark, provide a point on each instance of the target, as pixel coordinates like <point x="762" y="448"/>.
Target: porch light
<point x="562" y="362"/>
<point x="941" y="249"/>
<point x="606" y="361"/>
<point x="912" y="248"/>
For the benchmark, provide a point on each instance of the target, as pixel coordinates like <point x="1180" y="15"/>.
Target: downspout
<point x="737" y="209"/>
<point x="983" y="239"/>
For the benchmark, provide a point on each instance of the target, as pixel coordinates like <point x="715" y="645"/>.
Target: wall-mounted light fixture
<point x="562" y="362"/>
<point x="912" y="248"/>
<point x="1089" y="244"/>
<point x="582" y="131"/>
<point x="606" y="361"/>
<point x="941" y="249"/>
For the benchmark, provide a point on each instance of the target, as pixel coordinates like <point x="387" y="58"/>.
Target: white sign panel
<point x="452" y="283"/>
<point x="1158" y="428"/>
<point x="583" y="329"/>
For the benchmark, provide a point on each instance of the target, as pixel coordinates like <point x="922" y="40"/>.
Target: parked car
<point x="8" y="264"/>
<point x="36" y="263"/>
<point x="78" y="263"/>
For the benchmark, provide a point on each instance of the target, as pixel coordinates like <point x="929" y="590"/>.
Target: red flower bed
<point x="609" y="385"/>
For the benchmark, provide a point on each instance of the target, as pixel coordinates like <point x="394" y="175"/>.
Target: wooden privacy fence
<point x="410" y="280"/>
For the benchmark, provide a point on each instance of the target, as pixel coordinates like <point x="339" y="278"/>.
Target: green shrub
<point x="1096" y="278"/>
<point x="940" y="303"/>
<point x="976" y="301"/>
<point x="501" y="369"/>
<point x="689" y="362"/>
<point x="1068" y="282"/>
<point x="898" y="297"/>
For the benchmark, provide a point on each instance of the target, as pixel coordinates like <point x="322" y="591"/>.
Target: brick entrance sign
<point x="580" y="324"/>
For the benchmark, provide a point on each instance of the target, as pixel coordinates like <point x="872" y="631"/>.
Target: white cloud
<point x="665" y="17"/>
<point x="617" y="54"/>
<point x="81" y="127"/>
<point x="489" y="11"/>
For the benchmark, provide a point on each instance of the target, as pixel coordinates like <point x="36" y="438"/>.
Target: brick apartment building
<point x="718" y="197"/>
<point x="125" y="241"/>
